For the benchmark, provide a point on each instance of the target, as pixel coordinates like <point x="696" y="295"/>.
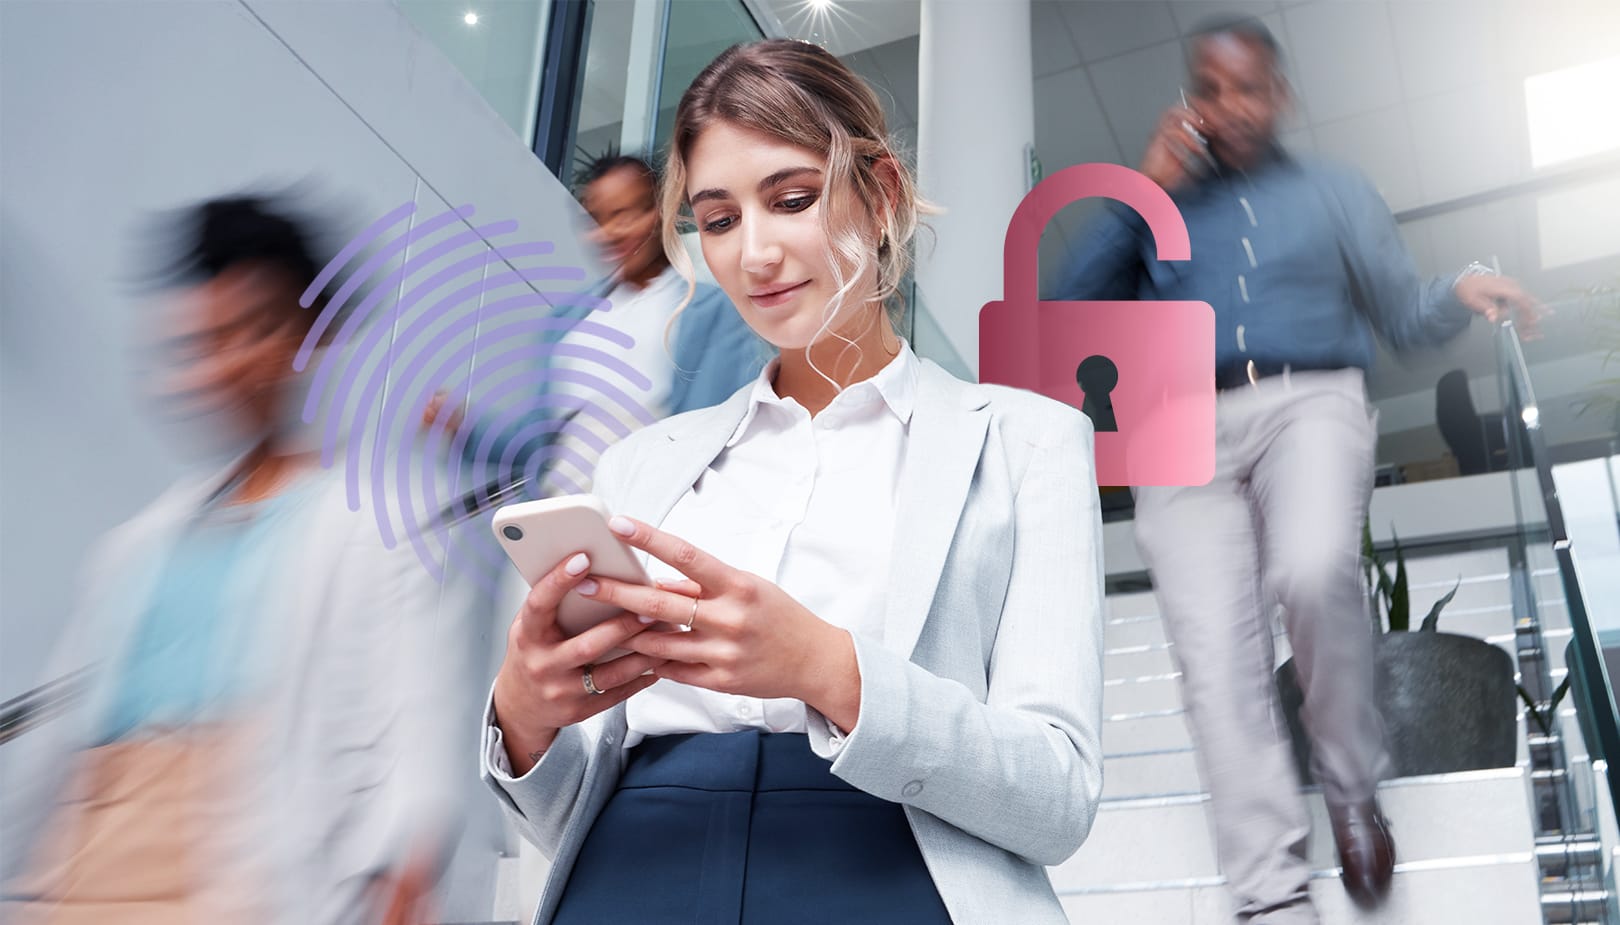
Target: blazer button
<point x="911" y="789"/>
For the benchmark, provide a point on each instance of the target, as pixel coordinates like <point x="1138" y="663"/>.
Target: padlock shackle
<point x="1020" y="258"/>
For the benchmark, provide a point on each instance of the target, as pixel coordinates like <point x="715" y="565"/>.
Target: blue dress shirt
<point x="1302" y="262"/>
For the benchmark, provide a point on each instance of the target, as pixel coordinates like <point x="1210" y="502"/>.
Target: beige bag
<point x="130" y="840"/>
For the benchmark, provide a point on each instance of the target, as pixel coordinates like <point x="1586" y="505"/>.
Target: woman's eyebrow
<point x="765" y="184"/>
<point x="782" y="175"/>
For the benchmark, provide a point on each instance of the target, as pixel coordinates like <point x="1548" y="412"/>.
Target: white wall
<point x="111" y="109"/>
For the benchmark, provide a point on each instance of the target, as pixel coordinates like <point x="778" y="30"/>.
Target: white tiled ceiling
<point x="1380" y="144"/>
<point x="1068" y="117"/>
<point x="1135" y="89"/>
<point x="1191" y="14"/>
<point x="1445" y="45"/>
<point x="1052" y="49"/>
<point x="1469" y="140"/>
<point x="1105" y="28"/>
<point x="1342" y="56"/>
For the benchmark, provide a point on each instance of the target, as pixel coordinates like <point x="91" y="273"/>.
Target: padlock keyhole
<point x="1098" y="376"/>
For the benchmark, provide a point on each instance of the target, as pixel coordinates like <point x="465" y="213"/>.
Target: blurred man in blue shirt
<point x="1302" y="263"/>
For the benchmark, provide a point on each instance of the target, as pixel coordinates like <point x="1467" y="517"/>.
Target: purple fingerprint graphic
<point x="532" y="386"/>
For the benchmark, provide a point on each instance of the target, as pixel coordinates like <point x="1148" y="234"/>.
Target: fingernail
<point x="621" y="525"/>
<point x="586" y="587"/>
<point x="666" y="582"/>
<point x="645" y="619"/>
<point x="578" y="564"/>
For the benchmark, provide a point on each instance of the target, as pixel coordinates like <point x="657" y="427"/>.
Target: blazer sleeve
<point x="542" y="802"/>
<point x="1023" y="769"/>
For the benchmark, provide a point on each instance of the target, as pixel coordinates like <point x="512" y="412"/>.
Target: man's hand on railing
<point x="1499" y="297"/>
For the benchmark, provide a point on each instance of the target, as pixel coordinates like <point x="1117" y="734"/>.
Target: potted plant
<point x="1448" y="701"/>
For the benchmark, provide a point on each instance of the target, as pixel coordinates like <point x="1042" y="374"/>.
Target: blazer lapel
<point x="948" y="426"/>
<point x="653" y="493"/>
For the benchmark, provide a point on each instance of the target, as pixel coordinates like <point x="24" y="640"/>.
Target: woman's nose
<point x="760" y="248"/>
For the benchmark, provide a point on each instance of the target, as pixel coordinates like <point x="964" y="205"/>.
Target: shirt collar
<point x="895" y="384"/>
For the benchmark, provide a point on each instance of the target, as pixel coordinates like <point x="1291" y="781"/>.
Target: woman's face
<point x="758" y="203"/>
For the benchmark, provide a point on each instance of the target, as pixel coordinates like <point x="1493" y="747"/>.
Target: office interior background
<point x="1489" y="127"/>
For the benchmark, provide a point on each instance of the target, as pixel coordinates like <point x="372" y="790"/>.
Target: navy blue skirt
<point x="746" y="827"/>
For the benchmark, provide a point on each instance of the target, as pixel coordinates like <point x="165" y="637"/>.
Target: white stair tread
<point x="1168" y="838"/>
<point x="1502" y="892"/>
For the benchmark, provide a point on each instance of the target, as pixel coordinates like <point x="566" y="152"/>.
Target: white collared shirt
<point x="807" y="503"/>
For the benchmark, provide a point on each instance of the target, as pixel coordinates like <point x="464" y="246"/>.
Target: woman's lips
<point x="771" y="298"/>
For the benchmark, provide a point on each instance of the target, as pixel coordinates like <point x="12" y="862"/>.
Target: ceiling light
<point x="1565" y="110"/>
<point x="470" y="19"/>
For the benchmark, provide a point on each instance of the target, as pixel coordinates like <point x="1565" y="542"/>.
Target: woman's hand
<point x="747" y="636"/>
<point x="541" y="685"/>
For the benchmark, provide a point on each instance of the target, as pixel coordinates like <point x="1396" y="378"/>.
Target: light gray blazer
<point x="988" y="734"/>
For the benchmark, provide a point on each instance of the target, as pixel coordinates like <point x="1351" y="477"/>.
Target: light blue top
<point x="201" y="651"/>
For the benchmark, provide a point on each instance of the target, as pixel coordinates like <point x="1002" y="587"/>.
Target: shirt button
<point x="912" y="789"/>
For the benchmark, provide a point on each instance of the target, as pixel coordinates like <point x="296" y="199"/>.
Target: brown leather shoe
<point x="1366" y="851"/>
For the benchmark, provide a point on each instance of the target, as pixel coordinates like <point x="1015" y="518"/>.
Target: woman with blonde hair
<point x="866" y="687"/>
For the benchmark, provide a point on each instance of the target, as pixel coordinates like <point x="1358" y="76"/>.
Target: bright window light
<point x="1570" y="112"/>
<point x="470" y="19"/>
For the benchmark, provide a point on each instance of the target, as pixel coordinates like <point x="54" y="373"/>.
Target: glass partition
<point x="697" y="33"/>
<point x="1564" y="654"/>
<point x="617" y="109"/>
<point x="496" y="44"/>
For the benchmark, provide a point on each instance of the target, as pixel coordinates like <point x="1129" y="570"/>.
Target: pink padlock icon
<point x="1148" y="367"/>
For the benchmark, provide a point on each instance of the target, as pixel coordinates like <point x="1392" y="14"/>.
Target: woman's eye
<point x="797" y="203"/>
<point x="718" y="225"/>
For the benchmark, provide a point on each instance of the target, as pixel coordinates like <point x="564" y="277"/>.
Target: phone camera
<point x="512" y="532"/>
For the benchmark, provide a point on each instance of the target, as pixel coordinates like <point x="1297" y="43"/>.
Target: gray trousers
<point x="1280" y="523"/>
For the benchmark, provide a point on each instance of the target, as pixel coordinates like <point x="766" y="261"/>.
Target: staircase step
<point x="1132" y="604"/>
<point x="1153" y="840"/>
<point x="1133" y="631"/>
<point x="1136" y="661"/>
<point x="1126" y="734"/>
<point x="1153" y="773"/>
<point x="1487" y="889"/>
<point x="1149" y="694"/>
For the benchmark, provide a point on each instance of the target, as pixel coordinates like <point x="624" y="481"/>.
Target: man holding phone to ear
<point x="1302" y="262"/>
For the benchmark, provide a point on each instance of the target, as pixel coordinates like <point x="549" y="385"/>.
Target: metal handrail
<point x="31" y="708"/>
<point x="1521" y="406"/>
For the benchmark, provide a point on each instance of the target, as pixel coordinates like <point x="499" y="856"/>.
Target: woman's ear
<point x="887" y="171"/>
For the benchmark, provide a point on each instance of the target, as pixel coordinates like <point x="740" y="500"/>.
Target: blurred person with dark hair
<point x="265" y="735"/>
<point x="1302" y="262"/>
<point x="691" y="346"/>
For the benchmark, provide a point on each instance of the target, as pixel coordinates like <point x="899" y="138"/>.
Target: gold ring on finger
<point x="687" y="627"/>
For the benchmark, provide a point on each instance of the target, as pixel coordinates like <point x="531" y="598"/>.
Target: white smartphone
<point x="539" y="534"/>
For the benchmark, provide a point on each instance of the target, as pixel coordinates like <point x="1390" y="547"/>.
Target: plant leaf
<point x="1431" y="622"/>
<point x="1400" y="599"/>
<point x="1535" y="713"/>
<point x="1558" y="694"/>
